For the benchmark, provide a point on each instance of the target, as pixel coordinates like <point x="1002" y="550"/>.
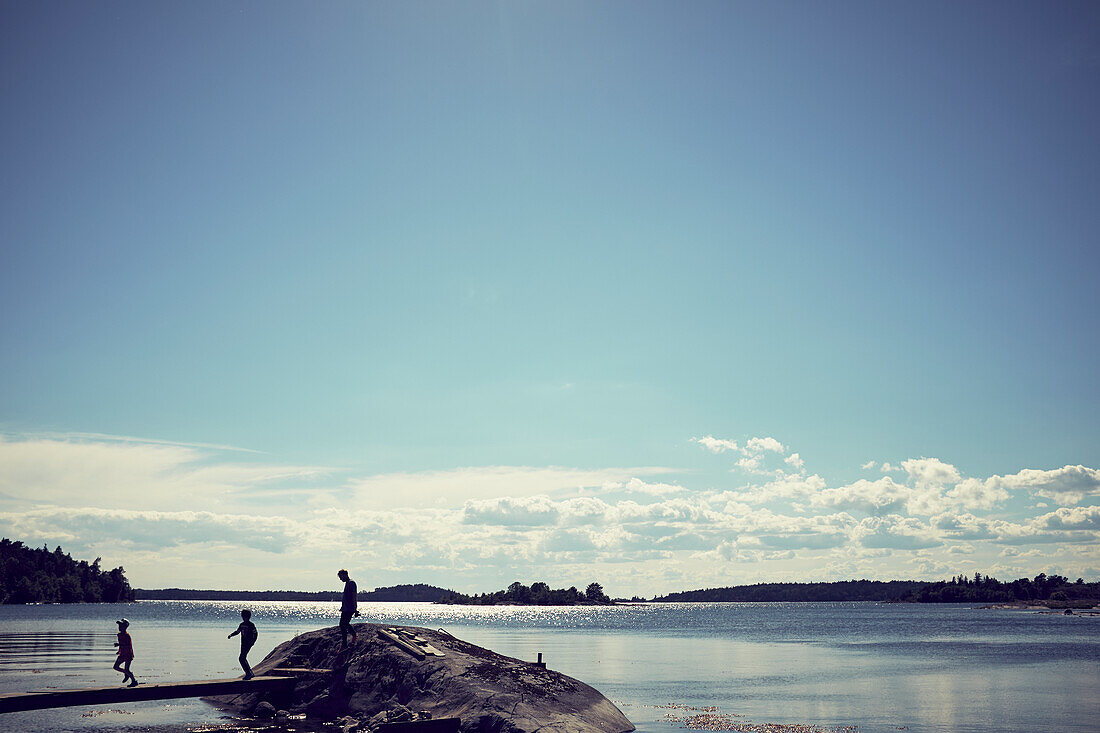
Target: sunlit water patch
<point x="944" y="669"/>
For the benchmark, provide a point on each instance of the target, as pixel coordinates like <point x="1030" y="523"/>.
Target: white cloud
<point x="584" y="510"/>
<point x="868" y="465"/>
<point x="637" y="486"/>
<point x="761" y="445"/>
<point x="767" y="522"/>
<point x="1071" y="518"/>
<point x="782" y="488"/>
<point x="1018" y="553"/>
<point x="105" y="437"/>
<point x="973" y="493"/>
<point x="895" y="532"/>
<point x="881" y="496"/>
<point x="805" y="540"/>
<point x="930" y="472"/>
<point x="716" y="445"/>
<point x="570" y="541"/>
<point x="134" y="475"/>
<point x="81" y="526"/>
<point x="964" y="526"/>
<point x="1069" y="484"/>
<point x="506" y="510"/>
<point x="452" y="488"/>
<point x="671" y="510"/>
<point x="752" y="453"/>
<point x="478" y="528"/>
<point x="751" y="464"/>
<point x="1064" y="525"/>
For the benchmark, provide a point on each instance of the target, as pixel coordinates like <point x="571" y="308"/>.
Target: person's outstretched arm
<point x="234" y="633"/>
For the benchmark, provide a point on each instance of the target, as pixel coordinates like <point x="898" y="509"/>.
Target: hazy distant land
<point x="1053" y="591"/>
<point x="418" y="592"/>
<point x="844" y="590"/>
<point x="538" y="594"/>
<point x="39" y="575"/>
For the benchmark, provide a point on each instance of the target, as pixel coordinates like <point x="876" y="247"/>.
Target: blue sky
<point x="277" y="270"/>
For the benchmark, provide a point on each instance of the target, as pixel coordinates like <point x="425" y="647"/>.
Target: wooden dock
<point x="431" y="725"/>
<point x="40" y="700"/>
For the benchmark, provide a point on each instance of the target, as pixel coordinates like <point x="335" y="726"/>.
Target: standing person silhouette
<point x="125" y="653"/>
<point x="348" y="608"/>
<point x="248" y="633"/>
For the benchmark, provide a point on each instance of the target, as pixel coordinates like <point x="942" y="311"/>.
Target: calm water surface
<point x="938" y="668"/>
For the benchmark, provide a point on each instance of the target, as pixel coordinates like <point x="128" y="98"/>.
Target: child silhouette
<point x="248" y="633"/>
<point x="125" y="653"/>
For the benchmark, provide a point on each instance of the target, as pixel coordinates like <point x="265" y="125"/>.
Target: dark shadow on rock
<point x="491" y="693"/>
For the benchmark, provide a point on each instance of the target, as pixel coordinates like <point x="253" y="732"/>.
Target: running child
<point x="125" y="653"/>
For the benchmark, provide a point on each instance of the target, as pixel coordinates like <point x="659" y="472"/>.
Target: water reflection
<point x="60" y="651"/>
<point x="938" y="669"/>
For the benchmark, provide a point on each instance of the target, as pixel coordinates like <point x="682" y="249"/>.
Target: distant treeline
<point x="418" y="592"/>
<point x="1044" y="588"/>
<point x="844" y="590"/>
<point x="197" y="594"/>
<point x="538" y="594"/>
<point x="984" y="589"/>
<point x="29" y="575"/>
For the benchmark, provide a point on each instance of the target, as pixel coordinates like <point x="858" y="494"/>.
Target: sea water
<point x="744" y="666"/>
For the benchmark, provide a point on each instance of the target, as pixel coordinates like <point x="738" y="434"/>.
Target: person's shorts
<point x="125" y="657"/>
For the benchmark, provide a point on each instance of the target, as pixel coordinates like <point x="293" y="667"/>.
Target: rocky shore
<point x="1086" y="607"/>
<point x="402" y="673"/>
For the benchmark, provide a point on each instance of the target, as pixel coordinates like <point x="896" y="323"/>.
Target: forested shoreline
<point x="417" y="592"/>
<point x="1053" y="590"/>
<point x="39" y="575"/>
<point x="844" y="590"/>
<point x="537" y="594"/>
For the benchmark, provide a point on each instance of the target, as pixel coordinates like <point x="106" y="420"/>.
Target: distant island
<point x="538" y="594"/>
<point x="843" y="590"/>
<point x="30" y="575"/>
<point x="418" y="592"/>
<point x="1054" y="591"/>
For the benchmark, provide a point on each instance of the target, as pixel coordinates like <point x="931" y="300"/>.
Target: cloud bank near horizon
<point x="185" y="515"/>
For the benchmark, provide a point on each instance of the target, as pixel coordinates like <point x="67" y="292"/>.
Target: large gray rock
<point x="491" y="693"/>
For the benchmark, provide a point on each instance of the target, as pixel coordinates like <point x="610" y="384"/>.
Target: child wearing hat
<point x="125" y="653"/>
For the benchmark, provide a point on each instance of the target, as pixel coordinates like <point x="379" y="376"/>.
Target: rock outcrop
<point x="429" y="673"/>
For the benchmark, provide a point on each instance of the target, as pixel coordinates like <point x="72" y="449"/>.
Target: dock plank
<point x="402" y="644"/>
<point x="432" y="725"/>
<point x="42" y="699"/>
